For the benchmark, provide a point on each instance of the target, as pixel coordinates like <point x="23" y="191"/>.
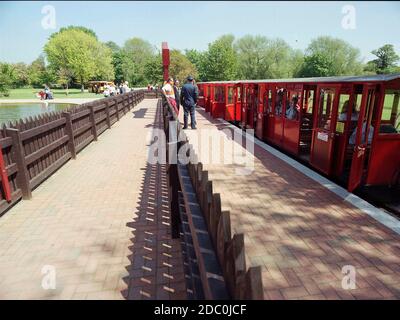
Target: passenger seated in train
<point x="293" y="108"/>
<point x="343" y="114"/>
<point x="352" y="139"/>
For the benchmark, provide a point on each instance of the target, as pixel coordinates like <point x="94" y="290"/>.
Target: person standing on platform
<point x="177" y="94"/>
<point x="189" y="95"/>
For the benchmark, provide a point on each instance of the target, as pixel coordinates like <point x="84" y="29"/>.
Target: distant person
<point x="177" y="94"/>
<point x="189" y="95"/>
<point x="169" y="92"/>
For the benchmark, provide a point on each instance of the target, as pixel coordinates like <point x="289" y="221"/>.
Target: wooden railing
<point x="205" y="228"/>
<point x="35" y="148"/>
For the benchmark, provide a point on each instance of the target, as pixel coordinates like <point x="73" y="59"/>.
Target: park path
<point x="102" y="221"/>
<point x="300" y="232"/>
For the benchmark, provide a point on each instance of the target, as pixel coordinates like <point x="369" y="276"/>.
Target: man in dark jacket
<point x="189" y="94"/>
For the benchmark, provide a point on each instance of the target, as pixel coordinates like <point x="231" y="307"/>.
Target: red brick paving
<point x="102" y="221"/>
<point x="301" y="233"/>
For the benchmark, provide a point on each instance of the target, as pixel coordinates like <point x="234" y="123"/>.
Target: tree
<point x="38" y="74"/>
<point x="327" y="56"/>
<point x="386" y="60"/>
<point x="79" y="28"/>
<point x="77" y="52"/>
<point x="7" y="77"/>
<point x="180" y="66"/>
<point x="197" y="58"/>
<point x="220" y="60"/>
<point x="316" y="65"/>
<point x="153" y="71"/>
<point x="136" y="52"/>
<point x="21" y="75"/>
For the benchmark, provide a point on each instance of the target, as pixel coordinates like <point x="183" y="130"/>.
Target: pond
<point x="16" y="111"/>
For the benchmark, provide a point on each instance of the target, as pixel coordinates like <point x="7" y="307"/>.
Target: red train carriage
<point x="346" y="127"/>
<point x="201" y="99"/>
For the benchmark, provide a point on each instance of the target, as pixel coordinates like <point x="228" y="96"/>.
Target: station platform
<point x="305" y="231"/>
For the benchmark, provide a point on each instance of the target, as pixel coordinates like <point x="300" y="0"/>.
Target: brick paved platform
<point x="301" y="233"/>
<point x="102" y="221"/>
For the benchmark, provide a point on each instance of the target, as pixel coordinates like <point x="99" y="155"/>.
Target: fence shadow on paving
<point x="219" y="254"/>
<point x="34" y="148"/>
<point x="155" y="270"/>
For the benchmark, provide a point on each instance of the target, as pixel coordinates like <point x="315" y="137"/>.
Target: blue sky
<point x="195" y="24"/>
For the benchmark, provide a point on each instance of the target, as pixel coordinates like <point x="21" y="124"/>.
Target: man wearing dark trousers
<point x="189" y="94"/>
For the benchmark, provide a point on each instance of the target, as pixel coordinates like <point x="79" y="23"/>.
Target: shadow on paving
<point x="156" y="269"/>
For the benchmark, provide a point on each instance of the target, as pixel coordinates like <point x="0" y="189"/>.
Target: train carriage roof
<point x="371" y="78"/>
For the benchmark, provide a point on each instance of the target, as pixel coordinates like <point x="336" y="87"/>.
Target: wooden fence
<point x="197" y="194"/>
<point x="35" y="148"/>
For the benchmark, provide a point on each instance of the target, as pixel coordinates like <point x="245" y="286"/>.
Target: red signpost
<point x="165" y="58"/>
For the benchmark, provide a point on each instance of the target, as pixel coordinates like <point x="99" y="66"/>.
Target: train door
<point x="279" y="114"/>
<point x="218" y="104"/>
<point x="292" y="116"/>
<point x="324" y="127"/>
<point x="245" y="96"/>
<point x="362" y="137"/>
<point x="230" y="104"/>
<point x="260" y="114"/>
<point x="252" y="106"/>
<point x="237" y="102"/>
<point x="210" y="97"/>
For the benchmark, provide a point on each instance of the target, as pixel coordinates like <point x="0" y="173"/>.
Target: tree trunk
<point x="82" y="86"/>
<point x="67" y="90"/>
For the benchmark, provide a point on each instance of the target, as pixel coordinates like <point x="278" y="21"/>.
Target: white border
<point x="374" y="212"/>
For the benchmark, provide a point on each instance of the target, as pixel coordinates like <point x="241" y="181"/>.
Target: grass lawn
<point x="30" y="93"/>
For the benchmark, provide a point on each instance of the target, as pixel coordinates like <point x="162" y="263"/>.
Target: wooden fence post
<point x="18" y="156"/>
<point x="70" y="133"/>
<point x="117" y="109"/>
<point x="108" y="120"/>
<point x="93" y="121"/>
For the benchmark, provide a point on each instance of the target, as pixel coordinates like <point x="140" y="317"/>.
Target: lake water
<point x="16" y="111"/>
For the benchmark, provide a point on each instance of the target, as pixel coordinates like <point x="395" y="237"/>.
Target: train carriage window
<point x="219" y="94"/>
<point x="390" y="120"/>
<point x="293" y="105"/>
<point x="267" y="101"/>
<point x="230" y="95"/>
<point x="327" y="97"/>
<point x="238" y="94"/>
<point x="308" y="101"/>
<point x="343" y="112"/>
<point x="279" y="102"/>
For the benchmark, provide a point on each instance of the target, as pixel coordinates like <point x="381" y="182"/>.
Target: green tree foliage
<point x="261" y="58"/>
<point x="197" y="58"/>
<point x="7" y="77"/>
<point x="136" y="53"/>
<point x="385" y="62"/>
<point x="220" y="60"/>
<point x="181" y="66"/>
<point x="327" y="56"/>
<point x="77" y="52"/>
<point x="21" y="75"/>
<point x="153" y="71"/>
<point x="79" y="28"/>
<point x="39" y="74"/>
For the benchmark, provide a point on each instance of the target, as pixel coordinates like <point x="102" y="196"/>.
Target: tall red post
<point x="165" y="58"/>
